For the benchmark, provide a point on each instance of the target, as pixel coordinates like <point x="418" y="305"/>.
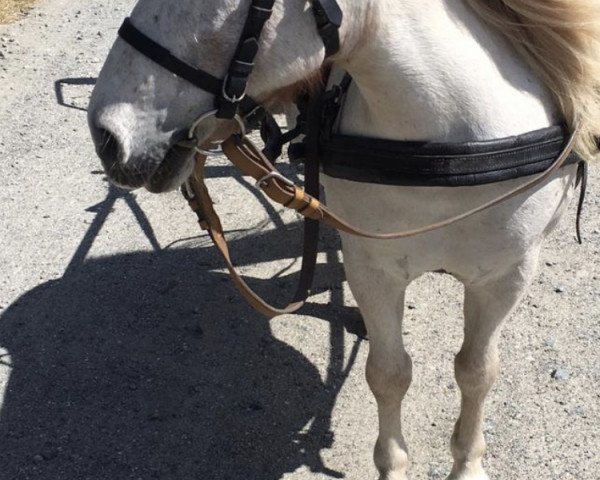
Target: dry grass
<point x="11" y="9"/>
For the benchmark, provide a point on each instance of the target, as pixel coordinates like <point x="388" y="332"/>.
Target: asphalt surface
<point x="125" y="352"/>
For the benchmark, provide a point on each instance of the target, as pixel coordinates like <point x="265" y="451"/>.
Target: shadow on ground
<point x="149" y="365"/>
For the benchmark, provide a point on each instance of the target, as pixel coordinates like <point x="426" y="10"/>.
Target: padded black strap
<point x="425" y="164"/>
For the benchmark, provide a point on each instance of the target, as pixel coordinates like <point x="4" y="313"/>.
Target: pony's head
<point x="139" y="111"/>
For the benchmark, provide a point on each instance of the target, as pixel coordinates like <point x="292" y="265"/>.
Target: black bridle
<point x="230" y="93"/>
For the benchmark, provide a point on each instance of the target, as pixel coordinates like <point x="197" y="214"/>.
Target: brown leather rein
<point x="251" y="162"/>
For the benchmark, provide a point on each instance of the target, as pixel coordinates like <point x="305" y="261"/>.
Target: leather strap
<point x="248" y="158"/>
<point x="244" y="155"/>
<point x="582" y="179"/>
<point x="202" y="204"/>
<point x="429" y="164"/>
<point x="242" y="64"/>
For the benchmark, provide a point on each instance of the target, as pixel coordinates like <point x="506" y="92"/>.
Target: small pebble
<point x="578" y="411"/>
<point x="560" y="374"/>
<point x="560" y="289"/>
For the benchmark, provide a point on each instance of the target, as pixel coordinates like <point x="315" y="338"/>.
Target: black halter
<point x="230" y="92"/>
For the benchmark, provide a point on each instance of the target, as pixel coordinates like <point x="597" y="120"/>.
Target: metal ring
<point x="200" y="119"/>
<point x="226" y="96"/>
<point x="187" y="190"/>
<point x="209" y="153"/>
<point x="278" y="176"/>
<point x="212" y="113"/>
<point x="241" y="124"/>
<point x="218" y="151"/>
<point x="262" y="9"/>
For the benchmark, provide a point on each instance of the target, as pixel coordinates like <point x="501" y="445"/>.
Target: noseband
<point x="231" y="101"/>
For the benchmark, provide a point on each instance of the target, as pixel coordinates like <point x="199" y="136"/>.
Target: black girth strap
<point x="427" y="164"/>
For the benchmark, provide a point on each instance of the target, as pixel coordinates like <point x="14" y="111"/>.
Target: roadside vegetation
<point x="12" y="9"/>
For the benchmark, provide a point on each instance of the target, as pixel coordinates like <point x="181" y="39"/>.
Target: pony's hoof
<point x="469" y="476"/>
<point x="393" y="476"/>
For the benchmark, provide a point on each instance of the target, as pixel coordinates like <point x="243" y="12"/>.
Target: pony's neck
<point x="431" y="70"/>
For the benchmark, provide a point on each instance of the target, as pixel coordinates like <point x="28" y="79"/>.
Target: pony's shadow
<point x="148" y="365"/>
<point x="76" y="99"/>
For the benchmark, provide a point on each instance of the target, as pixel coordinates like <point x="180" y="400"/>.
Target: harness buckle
<point x="232" y="98"/>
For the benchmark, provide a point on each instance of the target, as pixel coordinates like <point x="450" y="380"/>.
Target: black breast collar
<point x="428" y="164"/>
<point x="431" y="164"/>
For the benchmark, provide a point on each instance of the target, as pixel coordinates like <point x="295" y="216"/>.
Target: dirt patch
<point x="11" y="9"/>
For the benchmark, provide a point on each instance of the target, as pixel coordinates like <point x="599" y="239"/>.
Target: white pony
<point x="436" y="70"/>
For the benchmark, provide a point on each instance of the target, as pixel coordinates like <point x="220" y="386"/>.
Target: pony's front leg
<point x="487" y="304"/>
<point x="380" y="296"/>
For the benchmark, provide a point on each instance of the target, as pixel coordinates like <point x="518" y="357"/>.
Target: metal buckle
<point x="226" y="96"/>
<point x="275" y="174"/>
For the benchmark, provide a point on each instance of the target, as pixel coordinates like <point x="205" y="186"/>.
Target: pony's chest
<point x="484" y="242"/>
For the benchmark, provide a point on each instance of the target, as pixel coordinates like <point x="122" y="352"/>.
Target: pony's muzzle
<point x="113" y="153"/>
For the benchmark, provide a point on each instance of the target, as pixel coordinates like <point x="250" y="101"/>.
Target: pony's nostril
<point x="108" y="147"/>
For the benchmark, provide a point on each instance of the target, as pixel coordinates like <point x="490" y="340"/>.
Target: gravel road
<point x="125" y="353"/>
